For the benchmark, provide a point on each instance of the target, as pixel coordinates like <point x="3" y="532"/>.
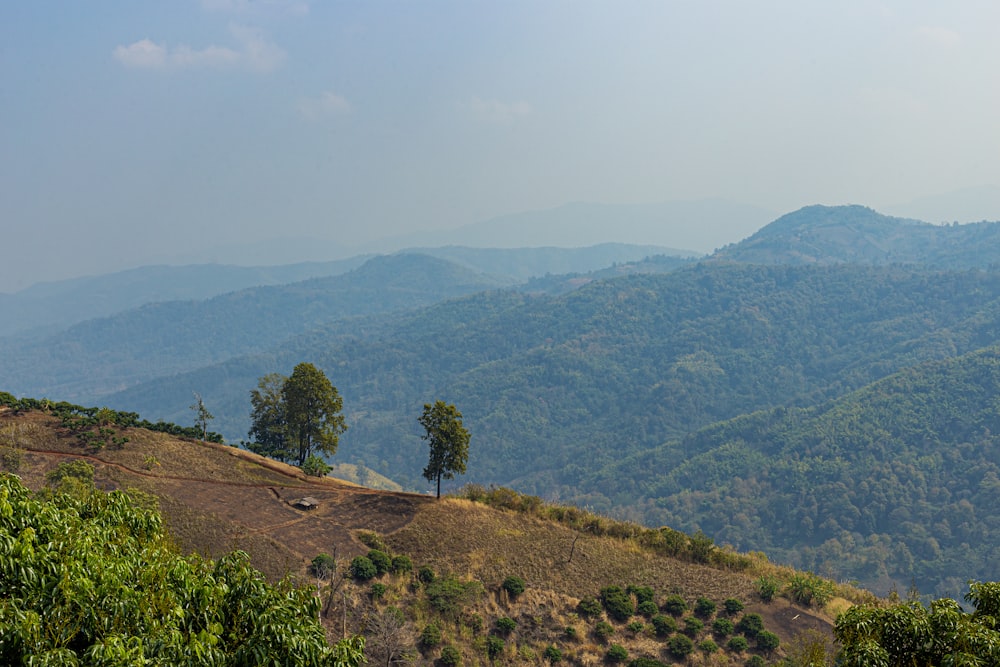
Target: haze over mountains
<point x="618" y="392"/>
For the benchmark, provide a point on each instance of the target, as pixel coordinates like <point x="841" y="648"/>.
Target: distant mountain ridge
<point x="857" y="234"/>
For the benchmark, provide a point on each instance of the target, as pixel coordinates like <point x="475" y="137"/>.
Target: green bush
<point x="693" y="626"/>
<point x="474" y="622"/>
<point x="362" y="568"/>
<point x="322" y="566"/>
<point x="372" y="540"/>
<point x="552" y="654"/>
<point x="756" y="661"/>
<point x="738" y="644"/>
<point x="732" y="606"/>
<point x="315" y="466"/>
<point x="447" y="596"/>
<point x="641" y="593"/>
<point x="708" y="646"/>
<point x="494" y="647"/>
<point x="450" y="656"/>
<point x="680" y="645"/>
<point x="513" y="585"/>
<point x="430" y="636"/>
<point x="616" y="653"/>
<point x="704" y="608"/>
<point x="767" y="588"/>
<point x="617" y="603"/>
<point x="426" y="575"/>
<point x="381" y="561"/>
<point x="401" y="565"/>
<point x="767" y="641"/>
<point x="808" y="589"/>
<point x="378" y="591"/>
<point x="570" y="632"/>
<point x="750" y="625"/>
<point x="504" y="625"/>
<point x="589" y="607"/>
<point x="663" y="625"/>
<point x="647" y="608"/>
<point x="723" y="627"/>
<point x="603" y="630"/>
<point x="675" y="605"/>
<point x="635" y="627"/>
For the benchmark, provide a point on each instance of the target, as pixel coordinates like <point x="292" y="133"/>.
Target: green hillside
<point x="893" y="484"/>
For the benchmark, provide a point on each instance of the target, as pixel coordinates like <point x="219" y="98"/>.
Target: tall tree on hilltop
<point x="294" y="417"/>
<point x="448" y="440"/>
<point x="202" y="415"/>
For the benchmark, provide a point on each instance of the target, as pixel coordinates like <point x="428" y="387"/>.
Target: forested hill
<point x="555" y="388"/>
<point x="856" y="234"/>
<point x="107" y="354"/>
<point x="898" y="482"/>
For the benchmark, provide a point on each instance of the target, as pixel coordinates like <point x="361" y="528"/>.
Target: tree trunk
<point x="439" y="485"/>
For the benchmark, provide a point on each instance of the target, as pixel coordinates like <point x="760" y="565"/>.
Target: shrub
<point x="474" y="622"/>
<point x="700" y="546"/>
<point x="378" y="591"/>
<point x="732" y="606"/>
<point x="401" y="565"/>
<point x="750" y="625"/>
<point x="380" y="560"/>
<point x="372" y="540"/>
<point x="675" y="605"/>
<point x="603" y="630"/>
<point x="570" y="632"/>
<point x="494" y="647"/>
<point x="767" y="587"/>
<point x="450" y="656"/>
<point x="552" y="654"/>
<point x="767" y="641"/>
<point x="426" y="575"/>
<point x="806" y="588"/>
<point x="617" y="603"/>
<point x="680" y="646"/>
<point x="430" y="636"/>
<point x="663" y="625"/>
<point x="315" y="466"/>
<point x="756" y="661"/>
<point x="646" y="662"/>
<point x="616" y="653"/>
<point x="635" y="627"/>
<point x="448" y="595"/>
<point x="589" y="607"/>
<point x="722" y="627"/>
<point x="708" y="646"/>
<point x="641" y="593"/>
<point x="738" y="644"/>
<point x="362" y="568"/>
<point x="513" y="585"/>
<point x="693" y="626"/>
<point x="704" y="608"/>
<point x="504" y="625"/>
<point x="647" y="608"/>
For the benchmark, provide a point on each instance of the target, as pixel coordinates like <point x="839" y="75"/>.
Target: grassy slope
<point x="216" y="499"/>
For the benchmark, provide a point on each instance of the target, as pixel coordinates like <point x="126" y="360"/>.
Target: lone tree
<point x="448" y="440"/>
<point x="296" y="416"/>
<point x="202" y="415"/>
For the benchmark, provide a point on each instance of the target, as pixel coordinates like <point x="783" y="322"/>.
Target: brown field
<point x="216" y="498"/>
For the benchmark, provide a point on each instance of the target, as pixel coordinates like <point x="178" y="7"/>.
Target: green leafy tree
<point x="295" y="417"/>
<point x="312" y="412"/>
<point x="448" y="440"/>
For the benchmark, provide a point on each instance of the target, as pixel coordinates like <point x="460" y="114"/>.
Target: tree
<point x="312" y="412"/>
<point x="202" y="415"/>
<point x="448" y="441"/>
<point x="294" y="417"/>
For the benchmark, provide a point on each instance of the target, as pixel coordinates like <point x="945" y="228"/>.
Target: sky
<point x="140" y="132"/>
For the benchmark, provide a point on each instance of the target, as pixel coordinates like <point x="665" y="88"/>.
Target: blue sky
<point x="131" y="132"/>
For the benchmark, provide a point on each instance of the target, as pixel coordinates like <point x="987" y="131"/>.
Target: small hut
<point x="307" y="503"/>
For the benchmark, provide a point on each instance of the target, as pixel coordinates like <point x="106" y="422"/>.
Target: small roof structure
<point x="307" y="503"/>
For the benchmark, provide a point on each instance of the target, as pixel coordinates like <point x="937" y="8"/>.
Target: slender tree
<point x="202" y="415"/>
<point x="448" y="440"/>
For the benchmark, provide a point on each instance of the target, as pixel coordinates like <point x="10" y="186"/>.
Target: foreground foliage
<point x="910" y="634"/>
<point x="90" y="579"/>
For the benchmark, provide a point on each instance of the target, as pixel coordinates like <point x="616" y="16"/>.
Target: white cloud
<point x="493" y="111"/>
<point x="938" y="35"/>
<point x="143" y="53"/>
<point x="255" y="52"/>
<point x="326" y="104"/>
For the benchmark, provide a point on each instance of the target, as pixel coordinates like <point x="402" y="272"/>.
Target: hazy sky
<point x="131" y="131"/>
